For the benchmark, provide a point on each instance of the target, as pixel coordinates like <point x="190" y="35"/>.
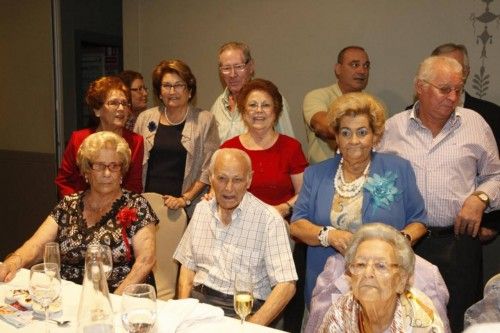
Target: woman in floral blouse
<point x="355" y="187"/>
<point x="103" y="214"/>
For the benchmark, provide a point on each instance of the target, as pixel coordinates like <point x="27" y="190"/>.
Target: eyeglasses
<point x="115" y="104"/>
<point x="178" y="87"/>
<point x="254" y="106"/>
<point x="112" y="167"/>
<point x="141" y="88"/>
<point x="239" y="68"/>
<point x="380" y="268"/>
<point x="446" y="90"/>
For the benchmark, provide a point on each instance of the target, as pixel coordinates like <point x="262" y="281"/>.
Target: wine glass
<point x="45" y="286"/>
<point x="52" y="254"/>
<point x="104" y="253"/>
<point x="243" y="296"/>
<point x="139" y="308"/>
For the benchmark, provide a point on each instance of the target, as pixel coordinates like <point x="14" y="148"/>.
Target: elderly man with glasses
<point x="455" y="158"/>
<point x="236" y="68"/>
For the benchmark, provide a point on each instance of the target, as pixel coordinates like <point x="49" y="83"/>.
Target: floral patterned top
<point x="74" y="236"/>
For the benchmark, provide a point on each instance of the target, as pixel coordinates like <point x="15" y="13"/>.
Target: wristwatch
<point x="483" y="197"/>
<point x="186" y="200"/>
<point x="406" y="235"/>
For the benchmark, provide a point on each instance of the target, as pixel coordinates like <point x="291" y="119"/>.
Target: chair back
<point x="168" y="234"/>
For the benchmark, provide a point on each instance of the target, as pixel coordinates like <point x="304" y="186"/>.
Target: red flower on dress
<point x="126" y="216"/>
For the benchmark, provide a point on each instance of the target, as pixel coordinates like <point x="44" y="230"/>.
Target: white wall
<point x="295" y="42"/>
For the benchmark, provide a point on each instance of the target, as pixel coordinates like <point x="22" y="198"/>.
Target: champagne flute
<point x="45" y="286"/>
<point x="52" y="254"/>
<point x="243" y="296"/>
<point x="139" y="308"/>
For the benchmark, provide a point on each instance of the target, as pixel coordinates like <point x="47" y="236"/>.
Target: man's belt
<point x="201" y="288"/>
<point x="440" y="231"/>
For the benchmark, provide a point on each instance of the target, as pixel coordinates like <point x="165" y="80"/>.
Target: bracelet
<point x="323" y="236"/>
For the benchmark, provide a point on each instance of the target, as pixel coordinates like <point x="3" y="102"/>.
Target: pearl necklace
<point x="345" y="189"/>
<point x="171" y="122"/>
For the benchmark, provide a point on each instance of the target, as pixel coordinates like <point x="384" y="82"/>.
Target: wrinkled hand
<point x="174" y="202"/>
<point x="486" y="234"/>
<point x="469" y="218"/>
<point x="7" y="272"/>
<point x="339" y="239"/>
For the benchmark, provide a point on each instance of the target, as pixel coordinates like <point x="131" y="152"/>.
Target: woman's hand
<point x="174" y="202"/>
<point x="339" y="239"/>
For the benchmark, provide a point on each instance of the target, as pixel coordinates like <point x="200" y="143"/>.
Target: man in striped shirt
<point x="455" y="158"/>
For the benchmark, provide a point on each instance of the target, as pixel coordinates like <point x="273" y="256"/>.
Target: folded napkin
<point x="179" y="314"/>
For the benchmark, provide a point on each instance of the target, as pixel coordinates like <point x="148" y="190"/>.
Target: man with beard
<point x="352" y="70"/>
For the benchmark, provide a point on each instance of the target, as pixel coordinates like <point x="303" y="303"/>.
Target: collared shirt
<point x="230" y="123"/>
<point x="314" y="102"/>
<point x="255" y="243"/>
<point x="461" y="159"/>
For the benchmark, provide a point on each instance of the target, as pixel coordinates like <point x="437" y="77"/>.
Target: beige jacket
<point x="200" y="138"/>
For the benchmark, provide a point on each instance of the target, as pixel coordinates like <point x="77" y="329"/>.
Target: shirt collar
<point x="214" y="207"/>
<point x="453" y="121"/>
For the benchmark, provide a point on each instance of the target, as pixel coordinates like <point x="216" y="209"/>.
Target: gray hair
<point x="450" y="47"/>
<point x="427" y="69"/>
<point x="244" y="48"/>
<point x="340" y="56"/>
<point x="404" y="254"/>
<point x="238" y="153"/>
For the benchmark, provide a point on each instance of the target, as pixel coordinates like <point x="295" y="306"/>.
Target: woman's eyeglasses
<point x="380" y="268"/>
<point x="178" y="87"/>
<point x="113" y="167"/>
<point x="115" y="104"/>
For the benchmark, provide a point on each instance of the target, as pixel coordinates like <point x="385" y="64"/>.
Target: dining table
<point x="166" y="322"/>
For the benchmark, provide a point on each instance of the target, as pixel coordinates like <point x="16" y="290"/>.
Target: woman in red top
<point x="278" y="162"/>
<point x="109" y="99"/>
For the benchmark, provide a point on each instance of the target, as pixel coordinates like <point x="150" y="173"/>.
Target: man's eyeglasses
<point x="446" y="90"/>
<point x="380" y="268"/>
<point x="115" y="104"/>
<point x="239" y="68"/>
<point x="178" y="87"/>
<point x="141" y="88"/>
<point x="113" y="167"/>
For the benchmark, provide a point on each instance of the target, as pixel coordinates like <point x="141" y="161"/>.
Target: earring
<point x="121" y="181"/>
<point x="86" y="179"/>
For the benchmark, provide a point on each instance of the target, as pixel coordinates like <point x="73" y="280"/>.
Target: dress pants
<point x="459" y="259"/>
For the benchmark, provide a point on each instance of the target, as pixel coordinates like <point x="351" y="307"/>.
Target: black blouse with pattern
<point x="74" y="236"/>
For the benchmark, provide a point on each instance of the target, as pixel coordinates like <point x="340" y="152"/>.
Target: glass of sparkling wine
<point x="139" y="308"/>
<point x="52" y="254"/>
<point x="45" y="286"/>
<point x="243" y="296"/>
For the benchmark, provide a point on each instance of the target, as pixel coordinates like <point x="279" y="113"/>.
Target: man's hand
<point x="174" y="202"/>
<point x="469" y="218"/>
<point x="486" y="234"/>
<point x="339" y="239"/>
<point x="7" y="272"/>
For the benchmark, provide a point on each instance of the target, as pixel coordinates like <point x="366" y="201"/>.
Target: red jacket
<point x="69" y="180"/>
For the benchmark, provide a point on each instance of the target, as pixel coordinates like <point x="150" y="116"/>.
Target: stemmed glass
<point x="45" y="286"/>
<point x="139" y="308"/>
<point x="52" y="254"/>
<point x="243" y="296"/>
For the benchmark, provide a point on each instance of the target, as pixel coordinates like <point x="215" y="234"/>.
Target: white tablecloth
<point x="71" y="297"/>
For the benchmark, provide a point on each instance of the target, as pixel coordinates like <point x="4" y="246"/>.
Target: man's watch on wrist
<point x="406" y="235"/>
<point x="483" y="197"/>
<point x="186" y="200"/>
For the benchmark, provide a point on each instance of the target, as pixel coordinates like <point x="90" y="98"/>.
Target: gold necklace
<point x="171" y="122"/>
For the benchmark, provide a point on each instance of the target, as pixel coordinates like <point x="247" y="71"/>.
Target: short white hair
<point x="427" y="69"/>
<point x="234" y="152"/>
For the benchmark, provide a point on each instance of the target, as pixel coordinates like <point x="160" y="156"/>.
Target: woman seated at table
<point x="355" y="187"/>
<point x="109" y="100"/>
<point x="103" y="214"/>
<point x="381" y="263"/>
<point x="179" y="139"/>
<point x="278" y="162"/>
